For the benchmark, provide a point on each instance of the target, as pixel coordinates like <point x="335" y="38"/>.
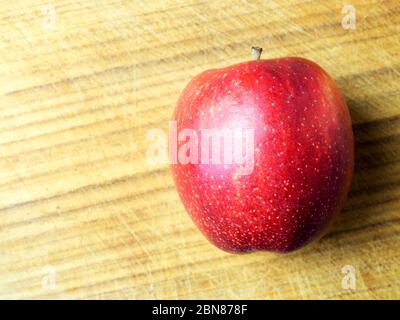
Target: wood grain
<point x="79" y="201"/>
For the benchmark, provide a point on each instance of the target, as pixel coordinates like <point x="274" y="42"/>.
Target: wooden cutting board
<point x="85" y="215"/>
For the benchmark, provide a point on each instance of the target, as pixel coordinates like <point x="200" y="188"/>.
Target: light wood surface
<point x="84" y="215"/>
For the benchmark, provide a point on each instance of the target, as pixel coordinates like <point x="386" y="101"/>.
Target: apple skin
<point x="303" y="160"/>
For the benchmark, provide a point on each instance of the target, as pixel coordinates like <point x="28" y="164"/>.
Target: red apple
<point x="302" y="162"/>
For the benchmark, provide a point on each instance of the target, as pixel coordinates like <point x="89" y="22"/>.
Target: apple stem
<point x="256" y="52"/>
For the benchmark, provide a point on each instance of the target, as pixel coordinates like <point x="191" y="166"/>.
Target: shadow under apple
<point x="377" y="149"/>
